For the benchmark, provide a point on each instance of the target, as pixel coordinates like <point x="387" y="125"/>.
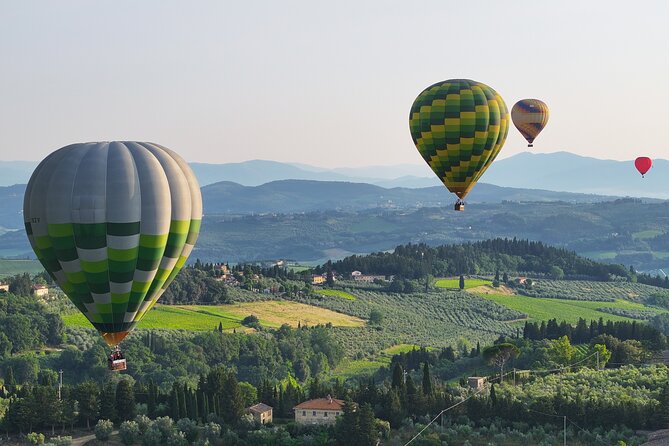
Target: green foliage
<point x="376" y="317"/>
<point x="194" y="286"/>
<point x="35" y="438"/>
<point x="59" y="441"/>
<point x="129" y="432"/>
<point x="125" y="400"/>
<point x="103" y="430"/>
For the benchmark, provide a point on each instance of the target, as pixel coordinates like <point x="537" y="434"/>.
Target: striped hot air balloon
<point x="459" y="126"/>
<point x="530" y="116"/>
<point x="113" y="223"/>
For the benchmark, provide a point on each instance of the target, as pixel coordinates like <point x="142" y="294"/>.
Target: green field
<point x="454" y="283"/>
<point x="172" y="318"/>
<point x="648" y="233"/>
<point x="336" y="293"/>
<point x="355" y="368"/>
<point x="12" y="267"/>
<point x="540" y="308"/>
<point x="272" y="314"/>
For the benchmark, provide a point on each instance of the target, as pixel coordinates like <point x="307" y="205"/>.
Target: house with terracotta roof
<point x="262" y="413"/>
<point x="318" y="411"/>
<point x="40" y="290"/>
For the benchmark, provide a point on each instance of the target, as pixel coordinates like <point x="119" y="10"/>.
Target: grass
<point x="12" y="267"/>
<point x="399" y="348"/>
<point x="336" y="293"/>
<point x="600" y="255"/>
<point x="648" y="233"/>
<point x="204" y="317"/>
<point x="359" y="367"/>
<point x="540" y="308"/>
<point x="454" y="283"/>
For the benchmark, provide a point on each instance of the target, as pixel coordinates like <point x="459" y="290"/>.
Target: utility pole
<point x="60" y="383"/>
<point x="564" y="442"/>
<point x="514" y="376"/>
<point x="405" y="376"/>
<point x="597" y="354"/>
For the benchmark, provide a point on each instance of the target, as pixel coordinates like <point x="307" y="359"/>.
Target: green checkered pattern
<point x="78" y="258"/>
<point x="113" y="223"/>
<point x="459" y="126"/>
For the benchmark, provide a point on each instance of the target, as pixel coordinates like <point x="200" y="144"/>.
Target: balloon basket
<point x="116" y="361"/>
<point x="459" y="206"/>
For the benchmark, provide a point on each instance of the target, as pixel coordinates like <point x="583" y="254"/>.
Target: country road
<point x="80" y="441"/>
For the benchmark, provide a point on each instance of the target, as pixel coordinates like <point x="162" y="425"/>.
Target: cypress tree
<point x="108" y="402"/>
<point x="398" y="377"/>
<point x="367" y="434"/>
<point x="427" y="380"/>
<point x="462" y="282"/>
<point x="151" y="400"/>
<point x="174" y="402"/>
<point x="125" y="400"/>
<point x="183" y="408"/>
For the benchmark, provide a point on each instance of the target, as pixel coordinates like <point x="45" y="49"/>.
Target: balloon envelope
<point x="530" y="116"/>
<point x="459" y="126"/>
<point x="113" y="223"/>
<point x="643" y="164"/>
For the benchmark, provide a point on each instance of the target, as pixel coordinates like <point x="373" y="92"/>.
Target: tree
<point x="6" y="346"/>
<point x="462" y="282"/>
<point x="561" y="351"/>
<point x="103" y="430"/>
<point x="427" y="380"/>
<point x="556" y="273"/>
<point x="367" y="434"/>
<point x="398" y="377"/>
<point x="129" y="432"/>
<point x="125" y="400"/>
<point x="346" y="428"/>
<point x="505" y="278"/>
<point x="88" y="396"/>
<point x="662" y="412"/>
<point x="108" y="401"/>
<point x="375" y="317"/>
<point x="499" y="355"/>
<point x="329" y="278"/>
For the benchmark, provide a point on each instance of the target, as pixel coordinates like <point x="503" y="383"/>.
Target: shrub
<point x="189" y="428"/>
<point x="59" y="441"/>
<point x="129" y="432"/>
<point x="103" y="430"/>
<point x="35" y="438"/>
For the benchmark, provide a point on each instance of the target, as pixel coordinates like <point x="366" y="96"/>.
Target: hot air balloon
<point x="530" y="116"/>
<point x="113" y="223"/>
<point x="643" y="164"/>
<point x="459" y="126"/>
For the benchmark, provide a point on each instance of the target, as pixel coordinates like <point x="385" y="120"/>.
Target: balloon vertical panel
<point x="111" y="223"/>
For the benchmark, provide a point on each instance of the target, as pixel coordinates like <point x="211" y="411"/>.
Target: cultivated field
<point x="205" y="318"/>
<point x="454" y="283"/>
<point x="338" y="293"/>
<point x="539" y="308"/>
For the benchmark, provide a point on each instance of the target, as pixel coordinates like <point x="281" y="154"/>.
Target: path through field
<point x="80" y="441"/>
<point x="658" y="438"/>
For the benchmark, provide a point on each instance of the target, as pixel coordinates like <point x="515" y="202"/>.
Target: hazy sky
<point x="324" y="83"/>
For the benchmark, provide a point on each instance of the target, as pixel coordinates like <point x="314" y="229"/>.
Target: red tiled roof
<point x="321" y="404"/>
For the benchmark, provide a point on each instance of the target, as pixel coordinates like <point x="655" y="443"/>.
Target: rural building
<point x="368" y="278"/>
<point x="40" y="290"/>
<point x="318" y="411"/>
<point x="4" y="287"/>
<point x="262" y="413"/>
<point x="477" y="382"/>
<point x="317" y="279"/>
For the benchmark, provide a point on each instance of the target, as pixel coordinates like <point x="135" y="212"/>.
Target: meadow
<point x="454" y="283"/>
<point x="539" y="308"/>
<point x="338" y="293"/>
<point x="272" y="314"/>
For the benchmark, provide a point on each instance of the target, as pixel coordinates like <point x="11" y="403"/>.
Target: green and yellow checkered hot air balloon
<point x="113" y="223"/>
<point x="459" y="126"/>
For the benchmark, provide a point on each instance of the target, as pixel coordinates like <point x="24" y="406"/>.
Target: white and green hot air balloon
<point x="113" y="223"/>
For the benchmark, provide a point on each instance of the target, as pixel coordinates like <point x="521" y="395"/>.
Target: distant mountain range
<point x="560" y="171"/>
<point x="290" y="196"/>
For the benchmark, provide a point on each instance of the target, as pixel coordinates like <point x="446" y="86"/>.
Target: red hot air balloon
<point x="643" y="164"/>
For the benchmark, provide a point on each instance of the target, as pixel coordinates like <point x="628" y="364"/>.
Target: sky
<point x="324" y="83"/>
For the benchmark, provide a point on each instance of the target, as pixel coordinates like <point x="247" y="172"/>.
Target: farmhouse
<point x="4" y="287"/>
<point x="317" y="279"/>
<point x="476" y="382"/>
<point x="360" y="277"/>
<point x="40" y="290"/>
<point x="262" y="413"/>
<point x="318" y="411"/>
